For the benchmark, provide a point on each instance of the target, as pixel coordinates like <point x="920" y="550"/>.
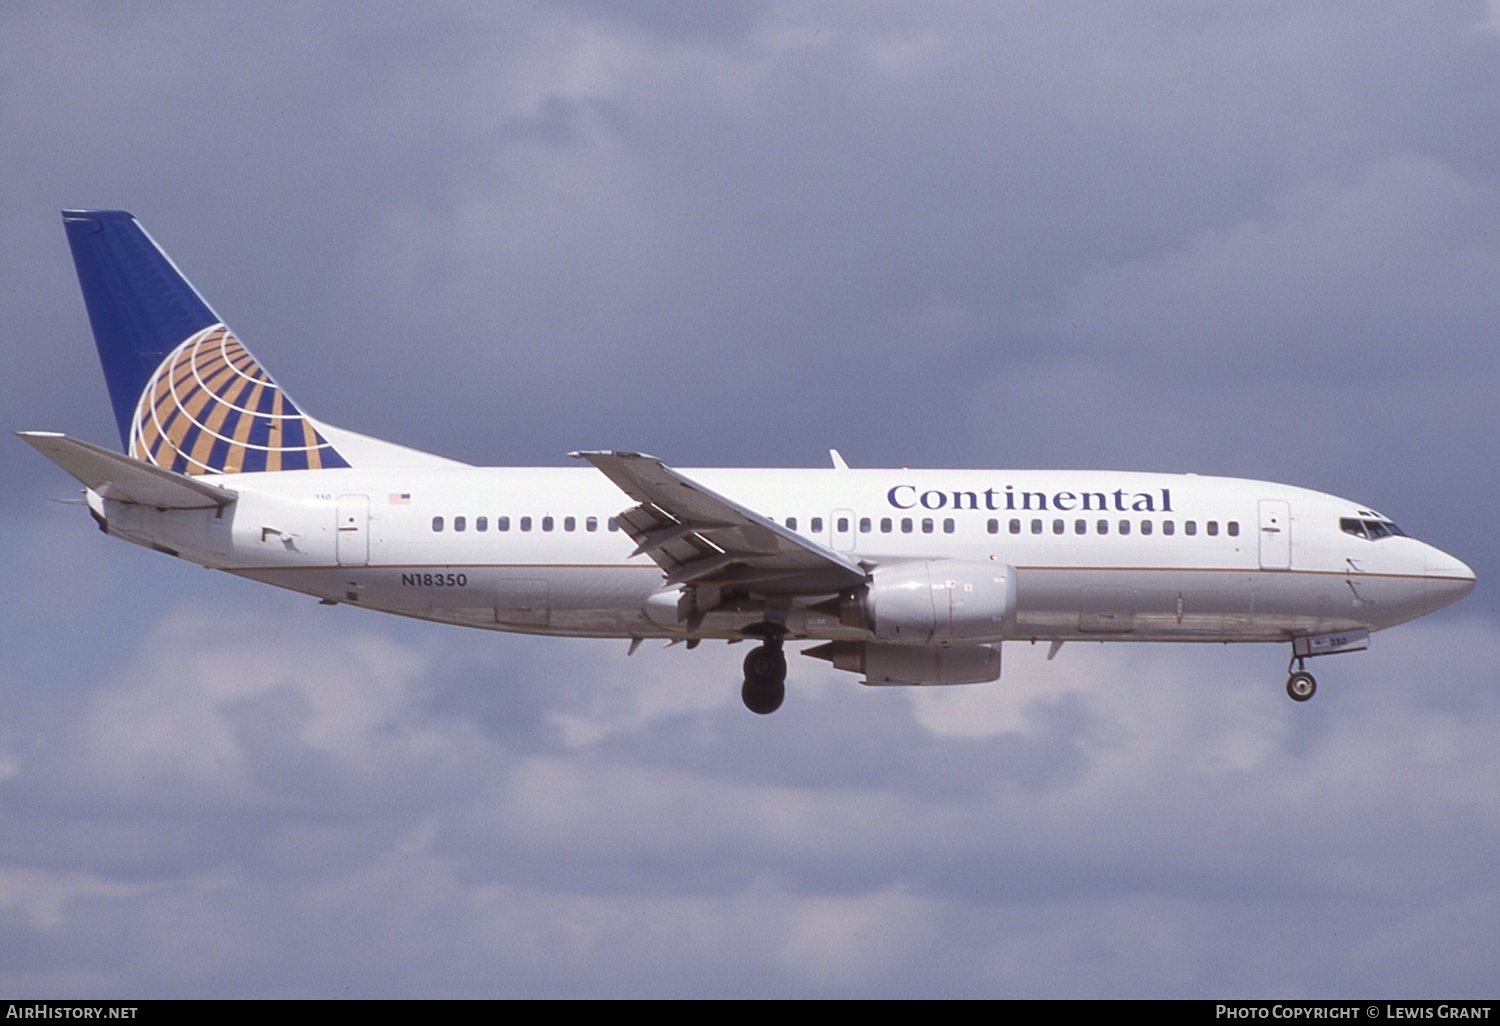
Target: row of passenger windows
<point x="1038" y="526"/>
<point x="1081" y="526"/>
<point x="549" y="523"/>
<point x="888" y="525"/>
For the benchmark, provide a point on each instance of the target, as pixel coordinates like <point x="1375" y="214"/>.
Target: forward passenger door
<point x="1275" y="534"/>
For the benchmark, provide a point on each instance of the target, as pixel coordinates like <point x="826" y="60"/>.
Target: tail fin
<point x="187" y="395"/>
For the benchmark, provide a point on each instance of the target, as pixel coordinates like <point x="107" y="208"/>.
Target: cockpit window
<point x="1370" y="529"/>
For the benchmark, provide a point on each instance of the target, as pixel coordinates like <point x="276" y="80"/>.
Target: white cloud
<point x="227" y="706"/>
<point x="41" y="896"/>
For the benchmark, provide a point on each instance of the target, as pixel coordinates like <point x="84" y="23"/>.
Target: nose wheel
<point x="765" y="678"/>
<point x="1300" y="686"/>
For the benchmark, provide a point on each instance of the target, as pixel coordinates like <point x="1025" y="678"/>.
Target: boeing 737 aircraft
<point x="904" y="576"/>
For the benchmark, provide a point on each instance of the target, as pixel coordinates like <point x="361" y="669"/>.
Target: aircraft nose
<point x="1447" y="579"/>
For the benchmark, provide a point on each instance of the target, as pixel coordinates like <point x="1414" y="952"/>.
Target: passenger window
<point x="1168" y="527"/>
<point x="1015" y="526"/>
<point x="437" y="523"/>
<point x="1213" y="527"/>
<point x="591" y="524"/>
<point x="570" y="523"/>
<point x="1103" y="526"/>
<point x="864" y="525"/>
<point x="1145" y="527"/>
<point x="885" y="525"/>
<point x="525" y="523"/>
<point x="816" y="525"/>
<point x="614" y="525"/>
<point x="481" y="523"/>
<point x="1234" y="529"/>
<point x="948" y="526"/>
<point x="842" y="524"/>
<point x="1080" y="527"/>
<point x="791" y="523"/>
<point x="1124" y="526"/>
<point x="502" y="523"/>
<point x="1190" y="528"/>
<point x="906" y="525"/>
<point x="1036" y="527"/>
<point x="547" y="523"/>
<point x="460" y="523"/>
<point x="926" y="525"/>
<point x="1058" y="527"/>
<point x="993" y="526"/>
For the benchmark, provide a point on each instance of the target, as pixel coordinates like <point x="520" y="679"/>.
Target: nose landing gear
<point x="1300" y="686"/>
<point x="765" y="678"/>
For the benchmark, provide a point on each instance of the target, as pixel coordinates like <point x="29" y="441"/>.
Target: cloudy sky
<point x="1260" y="240"/>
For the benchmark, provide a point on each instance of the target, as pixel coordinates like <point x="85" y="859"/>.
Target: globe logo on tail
<point x="210" y="408"/>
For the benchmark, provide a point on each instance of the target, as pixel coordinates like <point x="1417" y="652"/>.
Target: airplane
<point x="908" y="577"/>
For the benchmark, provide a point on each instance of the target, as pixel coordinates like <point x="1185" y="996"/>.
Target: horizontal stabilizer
<point x="124" y="479"/>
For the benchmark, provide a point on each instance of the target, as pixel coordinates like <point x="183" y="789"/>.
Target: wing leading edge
<point x="701" y="539"/>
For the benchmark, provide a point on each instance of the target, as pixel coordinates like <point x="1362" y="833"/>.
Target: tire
<point x="763" y="698"/>
<point x="1300" y="686"/>
<point x="765" y="665"/>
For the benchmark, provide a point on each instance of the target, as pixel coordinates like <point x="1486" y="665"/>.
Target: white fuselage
<point x="1097" y="554"/>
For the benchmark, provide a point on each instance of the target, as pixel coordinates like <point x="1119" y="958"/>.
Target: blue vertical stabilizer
<point x="187" y="395"/>
<point x="141" y="307"/>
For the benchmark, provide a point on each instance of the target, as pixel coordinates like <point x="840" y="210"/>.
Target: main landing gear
<point x="1300" y="686"/>
<point x="765" y="677"/>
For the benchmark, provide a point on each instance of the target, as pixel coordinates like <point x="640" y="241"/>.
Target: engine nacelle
<point x="934" y="601"/>
<point x="913" y="664"/>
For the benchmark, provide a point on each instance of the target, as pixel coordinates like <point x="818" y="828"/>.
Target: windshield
<point x="1372" y="530"/>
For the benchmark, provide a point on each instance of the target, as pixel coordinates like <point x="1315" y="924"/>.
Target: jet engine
<point x="913" y="664"/>
<point x="931" y="602"/>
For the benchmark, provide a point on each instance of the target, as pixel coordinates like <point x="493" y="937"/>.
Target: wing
<point x="701" y="539"/>
<point x="128" y="480"/>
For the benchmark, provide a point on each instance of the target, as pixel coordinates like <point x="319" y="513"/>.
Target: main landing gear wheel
<point x="765" y="678"/>
<point x="1300" y="686"/>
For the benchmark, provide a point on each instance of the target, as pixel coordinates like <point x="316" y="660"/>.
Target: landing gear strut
<point x="765" y="678"/>
<point x="1300" y="686"/>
